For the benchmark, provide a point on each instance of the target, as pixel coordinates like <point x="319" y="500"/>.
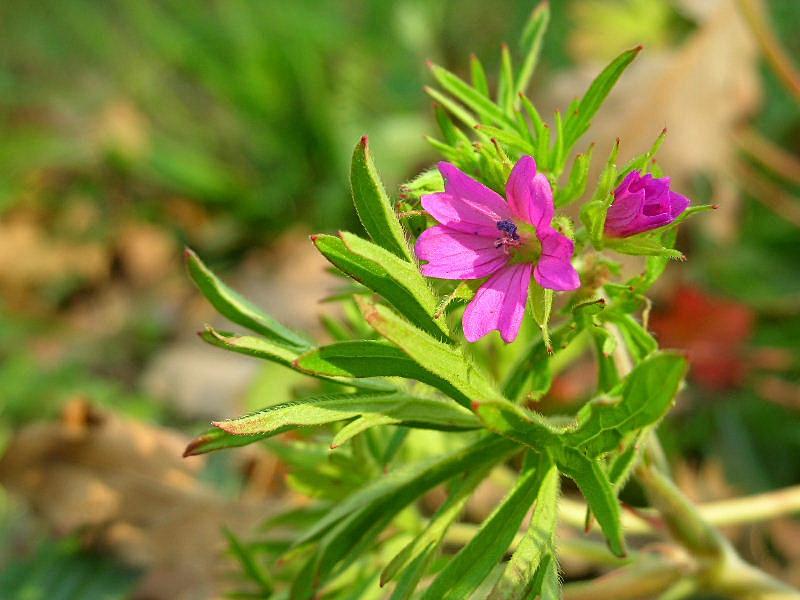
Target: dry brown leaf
<point x="30" y="258"/>
<point x="700" y="91"/>
<point x="124" y="486"/>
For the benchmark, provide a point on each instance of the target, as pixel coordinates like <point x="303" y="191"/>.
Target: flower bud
<point x="642" y="203"/>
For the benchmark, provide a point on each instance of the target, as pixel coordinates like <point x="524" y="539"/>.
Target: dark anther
<point x="508" y="227"/>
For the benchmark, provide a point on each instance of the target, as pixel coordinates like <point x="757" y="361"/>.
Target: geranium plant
<point x="416" y="392"/>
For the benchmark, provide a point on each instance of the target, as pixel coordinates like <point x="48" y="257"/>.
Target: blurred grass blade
<point x="531" y="44"/>
<point x="373" y="205"/>
<point x="237" y="308"/>
<point x="579" y="120"/>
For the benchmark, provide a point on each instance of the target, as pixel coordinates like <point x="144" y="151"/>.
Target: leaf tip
<point x="364" y="142"/>
<point x="225" y="426"/>
<point x="192" y="448"/>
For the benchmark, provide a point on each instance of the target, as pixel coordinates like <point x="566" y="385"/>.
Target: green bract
<point x="402" y="405"/>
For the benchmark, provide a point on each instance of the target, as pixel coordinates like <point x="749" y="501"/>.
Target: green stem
<point x="719" y="568"/>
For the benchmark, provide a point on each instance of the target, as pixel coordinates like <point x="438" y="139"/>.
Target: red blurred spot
<point x="713" y="331"/>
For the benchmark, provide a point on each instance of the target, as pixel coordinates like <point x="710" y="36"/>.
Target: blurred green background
<point x="131" y="128"/>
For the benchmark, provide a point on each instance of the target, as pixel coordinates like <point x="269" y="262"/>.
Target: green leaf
<point x="216" y="439"/>
<point x="360" y="425"/>
<point x="579" y="120"/>
<point x="623" y="462"/>
<point x="599" y="494"/>
<point x="371" y="358"/>
<point x="430" y="539"/>
<point x="441" y="359"/>
<point x="551" y="582"/>
<point x="535" y="364"/>
<point x="487" y="110"/>
<point x="408" y="293"/>
<point x="357" y="521"/>
<point x="267" y="350"/>
<point x="519" y="424"/>
<point x="507" y="137"/>
<point x="646" y="394"/>
<point x="531" y="45"/>
<point x="638" y="163"/>
<point x="406" y="275"/>
<point x="251" y="568"/>
<point x="473" y="563"/>
<point x="518" y="580"/>
<point x="644" y="244"/>
<point x="238" y="309"/>
<point x="505" y="83"/>
<point x="454" y="108"/>
<point x="373" y="205"/>
<point x="605" y="343"/>
<point x="536" y="120"/>
<point x="478" y="73"/>
<point x="542" y="305"/>
<point x="638" y="340"/>
<point x="426" y="413"/>
<point x="593" y="213"/>
<point x="578" y="178"/>
<point x="417" y="478"/>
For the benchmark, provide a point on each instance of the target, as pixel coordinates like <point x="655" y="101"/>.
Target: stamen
<point x="509" y="237"/>
<point x="509" y="228"/>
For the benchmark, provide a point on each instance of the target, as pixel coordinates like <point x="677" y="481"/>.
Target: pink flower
<point x="483" y="236"/>
<point x="642" y="203"/>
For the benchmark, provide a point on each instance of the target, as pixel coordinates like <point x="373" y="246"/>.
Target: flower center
<point x="509" y="238"/>
<point x="522" y="247"/>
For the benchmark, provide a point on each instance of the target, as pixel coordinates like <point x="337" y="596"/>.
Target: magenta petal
<point x="466" y="205"/>
<point x="641" y="203"/>
<point x="554" y="269"/>
<point x="529" y="193"/>
<point x="499" y="304"/>
<point x="457" y="255"/>
<point x="677" y="204"/>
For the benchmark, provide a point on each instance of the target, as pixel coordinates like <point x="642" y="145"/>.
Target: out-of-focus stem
<point x="753" y="11"/>
<point x="736" y="511"/>
<point x="770" y="195"/>
<point x="769" y="154"/>
<point x="643" y="579"/>
<point x="719" y="568"/>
